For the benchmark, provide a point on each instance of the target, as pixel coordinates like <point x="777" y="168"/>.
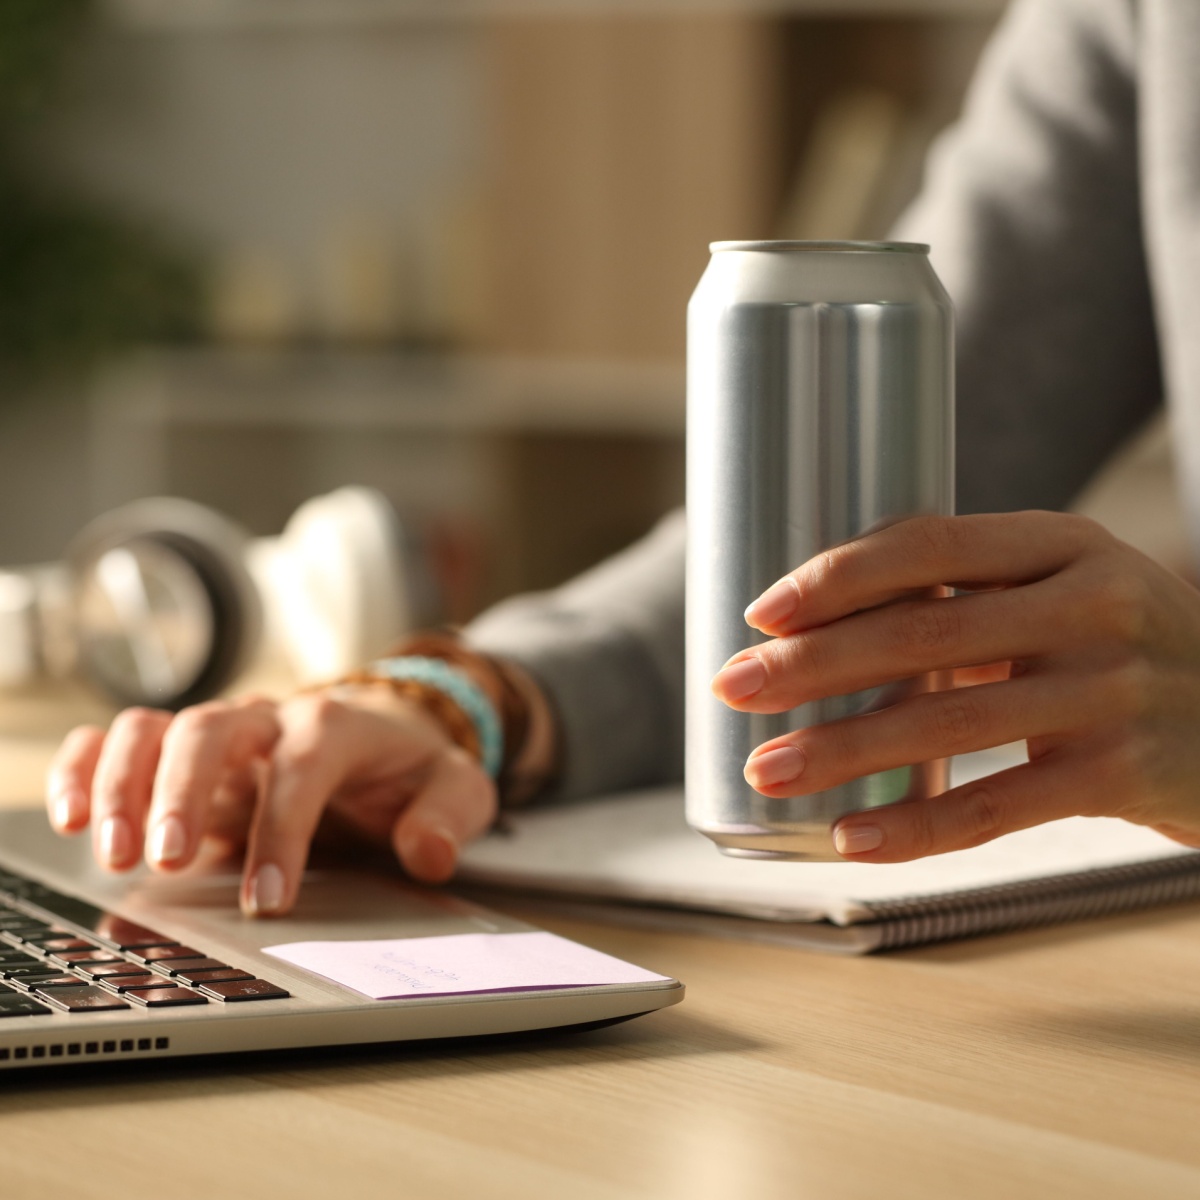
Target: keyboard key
<point x="105" y="970"/>
<point x="16" y="953"/>
<point x="127" y="935"/>
<point x="37" y="982"/>
<point x="35" y="892"/>
<point x="16" y="920"/>
<point x="83" y="999"/>
<point x="94" y="955"/>
<point x="23" y="925"/>
<point x="20" y="970"/>
<point x="21" y="1006"/>
<point x="27" y="983"/>
<point x="244" y="989"/>
<point x="67" y="908"/>
<point x="27" y="888"/>
<point x="52" y="945"/>
<point x="16" y="958"/>
<point x="13" y="953"/>
<point x="15" y="938"/>
<point x="35" y="933"/>
<point x="129" y="983"/>
<point x="178" y="967"/>
<point x="168" y="997"/>
<point x="218" y="975"/>
<point x="70" y="908"/>
<point x="12" y="943"/>
<point x="160" y="953"/>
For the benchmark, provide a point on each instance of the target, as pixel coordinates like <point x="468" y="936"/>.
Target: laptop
<point x="96" y="968"/>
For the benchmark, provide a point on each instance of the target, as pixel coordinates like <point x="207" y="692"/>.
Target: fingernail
<point x="741" y="680"/>
<point x="775" y="766"/>
<point x="266" y="890"/>
<point x="431" y="855"/>
<point x="70" y="808"/>
<point x="439" y="851"/>
<point x="116" y="841"/>
<point x="776" y="604"/>
<point x="857" y="839"/>
<point x="168" y="840"/>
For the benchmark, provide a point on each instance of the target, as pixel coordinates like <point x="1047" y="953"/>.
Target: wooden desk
<point x="1060" y="1063"/>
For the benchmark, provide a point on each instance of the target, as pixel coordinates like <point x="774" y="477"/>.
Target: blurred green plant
<point x="76" y="282"/>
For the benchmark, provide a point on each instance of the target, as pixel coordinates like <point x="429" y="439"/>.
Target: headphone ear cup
<point x="20" y="657"/>
<point x="165" y="611"/>
<point x="339" y="584"/>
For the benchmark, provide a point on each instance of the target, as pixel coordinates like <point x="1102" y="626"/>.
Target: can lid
<point x="794" y="247"/>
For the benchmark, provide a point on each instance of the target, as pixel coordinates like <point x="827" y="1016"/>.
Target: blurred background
<point x="252" y="250"/>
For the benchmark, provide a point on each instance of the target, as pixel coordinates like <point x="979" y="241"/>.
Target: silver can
<point x="820" y="406"/>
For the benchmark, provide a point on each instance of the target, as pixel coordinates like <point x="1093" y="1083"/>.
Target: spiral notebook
<point x="631" y="857"/>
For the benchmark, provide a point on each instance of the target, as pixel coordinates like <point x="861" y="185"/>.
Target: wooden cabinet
<point x="618" y="147"/>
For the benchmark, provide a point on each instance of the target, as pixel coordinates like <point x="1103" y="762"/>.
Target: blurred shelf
<point x="171" y="15"/>
<point x="394" y="391"/>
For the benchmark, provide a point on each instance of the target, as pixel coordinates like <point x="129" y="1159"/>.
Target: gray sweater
<point x="1064" y="215"/>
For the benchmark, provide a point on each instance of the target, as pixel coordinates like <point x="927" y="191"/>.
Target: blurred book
<point x="857" y="161"/>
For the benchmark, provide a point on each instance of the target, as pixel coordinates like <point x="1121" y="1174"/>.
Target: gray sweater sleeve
<point x="1031" y="206"/>
<point x="607" y="648"/>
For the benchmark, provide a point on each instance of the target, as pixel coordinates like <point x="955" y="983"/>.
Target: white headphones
<point x="165" y="602"/>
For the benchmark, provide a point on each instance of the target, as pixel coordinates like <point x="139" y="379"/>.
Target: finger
<point x="320" y="743"/>
<point x="930" y="726"/>
<point x="203" y="745"/>
<point x="232" y="807"/>
<point x="1067" y="782"/>
<point x="122" y="784"/>
<point x="897" y="642"/>
<point x="922" y="552"/>
<point x="456" y="805"/>
<point x="69" y="779"/>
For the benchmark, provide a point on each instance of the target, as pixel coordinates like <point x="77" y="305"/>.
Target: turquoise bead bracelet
<point x="451" y="682"/>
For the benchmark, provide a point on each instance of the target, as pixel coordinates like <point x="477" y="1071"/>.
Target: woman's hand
<point x="1104" y="684"/>
<point x="261" y="773"/>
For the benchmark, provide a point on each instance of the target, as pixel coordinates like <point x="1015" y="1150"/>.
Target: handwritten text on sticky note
<point x="398" y="968"/>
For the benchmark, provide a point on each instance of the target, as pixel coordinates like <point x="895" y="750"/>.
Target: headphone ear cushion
<point x="204" y="553"/>
<point x="340" y="586"/>
<point x="19" y="651"/>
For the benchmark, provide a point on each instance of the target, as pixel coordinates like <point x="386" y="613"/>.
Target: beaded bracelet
<point x="458" y="726"/>
<point x="517" y="781"/>
<point x="441" y="677"/>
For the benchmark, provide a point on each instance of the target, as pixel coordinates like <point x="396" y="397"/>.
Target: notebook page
<point x="637" y="846"/>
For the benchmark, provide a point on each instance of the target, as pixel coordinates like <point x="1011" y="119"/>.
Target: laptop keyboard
<point x="60" y="954"/>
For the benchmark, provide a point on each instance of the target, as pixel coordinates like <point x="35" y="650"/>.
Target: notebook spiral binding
<point x="1046" y="901"/>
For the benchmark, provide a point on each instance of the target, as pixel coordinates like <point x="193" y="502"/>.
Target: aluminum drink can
<point x="820" y="406"/>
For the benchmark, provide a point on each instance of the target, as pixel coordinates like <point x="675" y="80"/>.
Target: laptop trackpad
<point x="336" y="901"/>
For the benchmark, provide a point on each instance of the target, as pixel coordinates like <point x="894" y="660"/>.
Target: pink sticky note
<point x="397" y="968"/>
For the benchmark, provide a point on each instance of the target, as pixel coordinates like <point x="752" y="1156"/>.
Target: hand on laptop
<point x="1104" y="684"/>
<point x="261" y="773"/>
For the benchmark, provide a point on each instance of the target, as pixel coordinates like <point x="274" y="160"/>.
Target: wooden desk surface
<point x="1062" y="1062"/>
